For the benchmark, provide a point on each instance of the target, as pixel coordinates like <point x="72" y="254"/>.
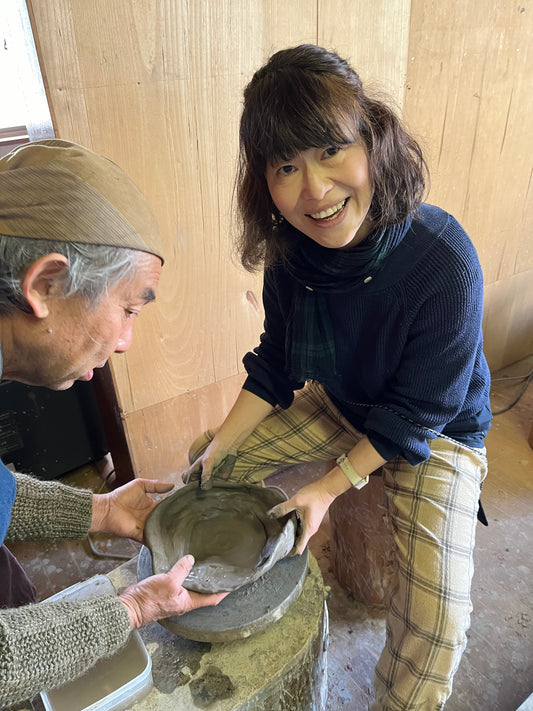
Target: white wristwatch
<point x="353" y="477"/>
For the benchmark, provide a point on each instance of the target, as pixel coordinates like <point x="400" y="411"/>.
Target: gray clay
<point x="225" y="528"/>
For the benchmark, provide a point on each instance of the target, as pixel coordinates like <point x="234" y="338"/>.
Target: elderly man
<point x="79" y="258"/>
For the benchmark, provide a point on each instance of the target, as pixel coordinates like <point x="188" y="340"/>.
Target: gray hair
<point x="93" y="269"/>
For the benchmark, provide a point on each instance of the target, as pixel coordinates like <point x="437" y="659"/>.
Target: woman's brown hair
<point x="307" y="97"/>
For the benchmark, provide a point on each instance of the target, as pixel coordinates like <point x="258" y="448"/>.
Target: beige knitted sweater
<point x="49" y="643"/>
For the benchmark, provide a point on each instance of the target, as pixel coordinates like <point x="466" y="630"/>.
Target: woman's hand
<point x="124" y="511"/>
<point x="163" y="596"/>
<point x="220" y="456"/>
<point x="217" y="461"/>
<point x="310" y="504"/>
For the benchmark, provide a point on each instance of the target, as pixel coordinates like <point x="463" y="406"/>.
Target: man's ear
<point x="39" y="279"/>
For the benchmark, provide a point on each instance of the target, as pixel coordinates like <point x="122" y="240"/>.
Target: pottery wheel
<point x="243" y="612"/>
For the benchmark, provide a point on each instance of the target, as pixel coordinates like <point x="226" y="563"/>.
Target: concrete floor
<point x="496" y="673"/>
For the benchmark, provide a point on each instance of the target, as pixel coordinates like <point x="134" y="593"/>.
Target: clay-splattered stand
<point x="282" y="668"/>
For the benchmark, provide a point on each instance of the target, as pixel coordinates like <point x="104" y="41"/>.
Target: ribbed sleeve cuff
<point x="391" y="435"/>
<point x="49" y="510"/>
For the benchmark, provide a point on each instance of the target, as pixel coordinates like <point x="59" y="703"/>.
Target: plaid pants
<point x="433" y="512"/>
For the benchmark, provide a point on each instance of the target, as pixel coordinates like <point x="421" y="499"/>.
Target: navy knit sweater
<point x="408" y="343"/>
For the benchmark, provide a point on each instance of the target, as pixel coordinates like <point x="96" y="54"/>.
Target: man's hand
<point x="163" y="596"/>
<point x="124" y="511"/>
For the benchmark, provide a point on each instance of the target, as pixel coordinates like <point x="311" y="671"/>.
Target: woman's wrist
<point x="355" y="466"/>
<point x="355" y="479"/>
<point x="335" y="482"/>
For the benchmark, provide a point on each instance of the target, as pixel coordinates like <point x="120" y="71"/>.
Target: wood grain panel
<point x="470" y="99"/>
<point x="159" y="436"/>
<point x="161" y="88"/>
<point x="508" y="321"/>
<point x="55" y="38"/>
<point x="373" y="37"/>
<point x="156" y="85"/>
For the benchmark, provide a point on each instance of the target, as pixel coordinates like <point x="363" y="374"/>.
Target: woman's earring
<point x="277" y="219"/>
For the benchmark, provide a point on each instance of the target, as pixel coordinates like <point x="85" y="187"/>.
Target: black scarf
<point x="319" y="271"/>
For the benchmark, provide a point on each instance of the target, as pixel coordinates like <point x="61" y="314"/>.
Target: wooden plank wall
<point x="469" y="96"/>
<point x="156" y="85"/>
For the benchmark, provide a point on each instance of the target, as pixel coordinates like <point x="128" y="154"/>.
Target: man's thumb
<point x="182" y="568"/>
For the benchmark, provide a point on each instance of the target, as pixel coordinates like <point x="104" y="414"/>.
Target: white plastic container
<point x="112" y="684"/>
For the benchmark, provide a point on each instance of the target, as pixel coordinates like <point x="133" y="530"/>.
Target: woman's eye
<point x="285" y="169"/>
<point x="331" y="151"/>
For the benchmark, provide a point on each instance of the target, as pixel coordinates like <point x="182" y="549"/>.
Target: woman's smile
<point x="329" y="213"/>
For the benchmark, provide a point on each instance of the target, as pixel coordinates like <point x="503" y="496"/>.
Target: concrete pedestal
<point x="362" y="545"/>
<point x="282" y="668"/>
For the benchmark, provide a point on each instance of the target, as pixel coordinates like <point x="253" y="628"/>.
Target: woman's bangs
<point x="294" y="113"/>
<point x="303" y="124"/>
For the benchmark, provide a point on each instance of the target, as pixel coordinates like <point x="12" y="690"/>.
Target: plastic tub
<point x="112" y="684"/>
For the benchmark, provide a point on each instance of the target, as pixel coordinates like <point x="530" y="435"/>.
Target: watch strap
<point x="353" y="477"/>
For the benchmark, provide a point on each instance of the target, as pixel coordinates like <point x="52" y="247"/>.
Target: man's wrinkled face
<point x="74" y="339"/>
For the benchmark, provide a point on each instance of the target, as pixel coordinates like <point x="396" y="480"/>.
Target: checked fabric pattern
<point x="433" y="510"/>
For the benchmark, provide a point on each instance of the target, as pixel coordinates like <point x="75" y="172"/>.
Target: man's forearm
<point x="35" y="512"/>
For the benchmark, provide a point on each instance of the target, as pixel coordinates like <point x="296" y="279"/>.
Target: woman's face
<point x="325" y="193"/>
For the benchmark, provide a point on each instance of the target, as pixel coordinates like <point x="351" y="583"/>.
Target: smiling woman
<point x="371" y="354"/>
<point x="328" y="143"/>
<point x="325" y="193"/>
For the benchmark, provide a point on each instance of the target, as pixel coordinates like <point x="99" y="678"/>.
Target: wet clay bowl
<point x="225" y="528"/>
